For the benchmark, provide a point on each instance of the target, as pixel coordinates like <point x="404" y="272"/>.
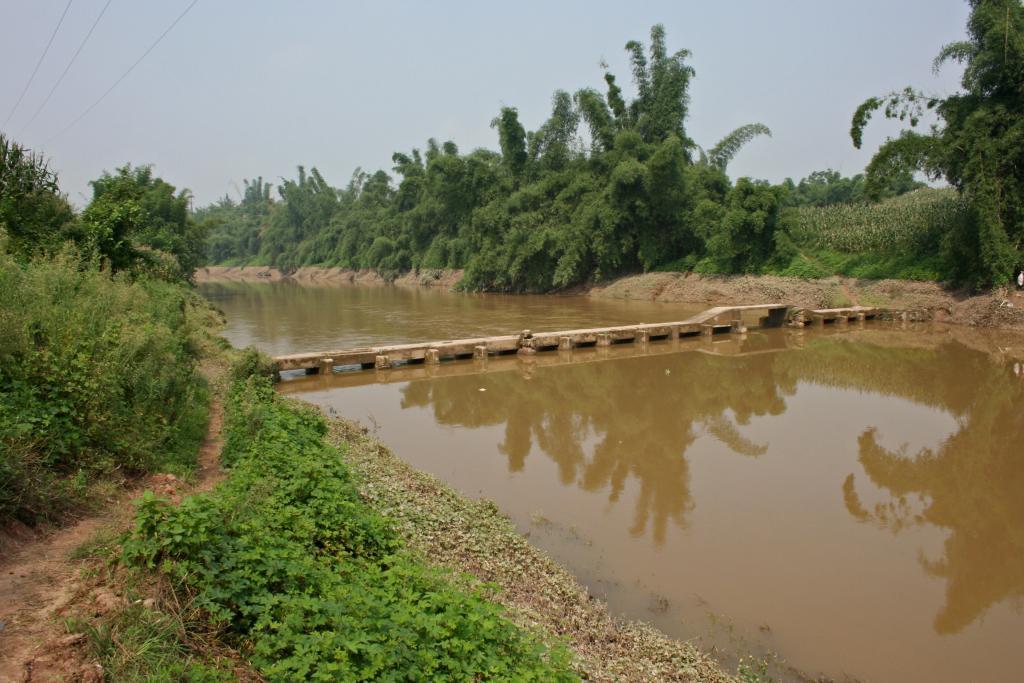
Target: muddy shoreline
<point x="317" y="275"/>
<point x="1000" y="308"/>
<point x="470" y="536"/>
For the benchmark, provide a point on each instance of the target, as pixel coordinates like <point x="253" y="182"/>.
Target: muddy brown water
<point x="849" y="500"/>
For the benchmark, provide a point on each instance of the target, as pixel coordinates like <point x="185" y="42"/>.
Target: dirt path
<point x="41" y="580"/>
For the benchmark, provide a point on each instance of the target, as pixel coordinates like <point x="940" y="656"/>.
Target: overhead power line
<point x="125" y="74"/>
<point x="39" y="63"/>
<point x="68" y="67"/>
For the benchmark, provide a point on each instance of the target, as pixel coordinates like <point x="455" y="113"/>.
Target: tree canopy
<point x="606" y="184"/>
<point x="976" y="145"/>
<point x="136" y="222"/>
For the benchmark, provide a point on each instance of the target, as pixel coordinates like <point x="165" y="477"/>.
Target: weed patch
<point x="97" y="379"/>
<point x="315" y="584"/>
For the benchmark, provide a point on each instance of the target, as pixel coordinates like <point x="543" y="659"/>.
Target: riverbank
<point x="372" y="569"/>
<point x="1000" y="308"/>
<point x="472" y="536"/>
<point x="316" y="275"/>
<point x="81" y="603"/>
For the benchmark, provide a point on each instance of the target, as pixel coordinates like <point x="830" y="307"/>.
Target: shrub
<point x="253" y="363"/>
<point x="97" y="374"/>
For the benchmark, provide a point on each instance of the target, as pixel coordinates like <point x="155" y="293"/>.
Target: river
<point x="850" y="500"/>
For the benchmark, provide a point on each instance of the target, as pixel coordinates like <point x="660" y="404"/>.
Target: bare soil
<point x="1000" y="308"/>
<point x="315" y="275"/>
<point x="42" y="583"/>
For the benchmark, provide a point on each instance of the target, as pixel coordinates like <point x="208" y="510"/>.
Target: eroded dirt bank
<point x="1001" y="308"/>
<point x="315" y="275"/>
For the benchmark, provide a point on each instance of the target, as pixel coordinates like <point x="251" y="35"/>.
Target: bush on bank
<point x="287" y="556"/>
<point x="97" y="376"/>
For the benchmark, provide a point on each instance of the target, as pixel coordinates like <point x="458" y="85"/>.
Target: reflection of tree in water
<point x="644" y="420"/>
<point x="644" y="413"/>
<point x="972" y="484"/>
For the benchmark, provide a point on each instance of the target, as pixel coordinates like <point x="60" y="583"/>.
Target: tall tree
<point x="977" y="145"/>
<point x="135" y="216"/>
<point x="512" y="139"/>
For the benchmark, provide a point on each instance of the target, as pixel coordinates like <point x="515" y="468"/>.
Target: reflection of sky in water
<point x="855" y="507"/>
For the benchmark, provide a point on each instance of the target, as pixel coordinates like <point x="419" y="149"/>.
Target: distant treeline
<point x="609" y="185"/>
<point x="604" y="186"/>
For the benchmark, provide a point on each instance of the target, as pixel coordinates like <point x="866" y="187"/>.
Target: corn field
<point x="916" y="220"/>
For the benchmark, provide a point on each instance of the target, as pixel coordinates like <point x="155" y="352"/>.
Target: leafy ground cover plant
<point x="310" y="581"/>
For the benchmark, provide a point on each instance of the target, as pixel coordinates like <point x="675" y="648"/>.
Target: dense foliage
<point x="314" y="580"/>
<point x="32" y="211"/>
<point x="135" y="222"/>
<point x="605" y="185"/>
<point x="829" y="188"/>
<point x="98" y="348"/>
<point x="977" y="144"/>
<point x="97" y="375"/>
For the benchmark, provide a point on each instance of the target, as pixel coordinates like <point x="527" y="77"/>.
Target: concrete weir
<point x="719" y="320"/>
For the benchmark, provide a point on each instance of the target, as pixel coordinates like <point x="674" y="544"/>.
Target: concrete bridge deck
<point x="718" y="320"/>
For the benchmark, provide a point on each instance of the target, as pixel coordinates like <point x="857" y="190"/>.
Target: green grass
<point x="145" y="644"/>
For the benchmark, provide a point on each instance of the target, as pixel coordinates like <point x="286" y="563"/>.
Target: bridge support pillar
<point x="707" y="330"/>
<point x="480" y="352"/>
<point x="432" y="357"/>
<point x="326" y="365"/>
<point x="737" y="326"/>
<point x="776" y="317"/>
<point x="565" y="343"/>
<point x="642" y="337"/>
<point x="382" y="362"/>
<point x="842" y="319"/>
<point x="673" y="333"/>
<point x="604" y="339"/>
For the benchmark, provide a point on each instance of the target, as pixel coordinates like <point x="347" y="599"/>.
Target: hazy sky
<point x="240" y="89"/>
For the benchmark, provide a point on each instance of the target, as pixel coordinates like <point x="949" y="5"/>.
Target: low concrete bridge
<point x="718" y="320"/>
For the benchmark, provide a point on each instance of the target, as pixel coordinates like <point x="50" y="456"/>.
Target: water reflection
<point x="972" y="484"/>
<point x="636" y="419"/>
<point x="858" y="491"/>
<point x="641" y="417"/>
